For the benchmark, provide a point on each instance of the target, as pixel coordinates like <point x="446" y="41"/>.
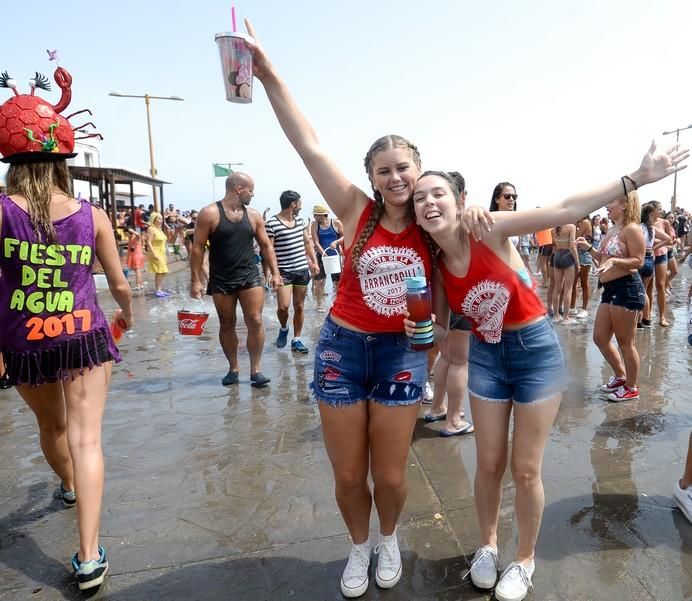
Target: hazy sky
<point x="553" y="96"/>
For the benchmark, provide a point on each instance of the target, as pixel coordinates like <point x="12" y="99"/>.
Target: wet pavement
<point x="226" y="493"/>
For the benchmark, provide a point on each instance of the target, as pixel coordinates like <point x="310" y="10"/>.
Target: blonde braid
<point x="368" y="229"/>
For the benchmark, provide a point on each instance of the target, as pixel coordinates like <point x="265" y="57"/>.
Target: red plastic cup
<point x="118" y="325"/>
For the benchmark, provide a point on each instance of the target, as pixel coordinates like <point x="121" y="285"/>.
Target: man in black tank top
<point x="231" y="227"/>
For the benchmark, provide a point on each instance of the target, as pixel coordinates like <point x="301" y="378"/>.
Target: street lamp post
<point x="147" y="98"/>
<point x="676" y="131"/>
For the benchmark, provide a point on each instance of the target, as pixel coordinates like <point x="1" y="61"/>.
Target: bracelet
<point x="627" y="177"/>
<point x="624" y="185"/>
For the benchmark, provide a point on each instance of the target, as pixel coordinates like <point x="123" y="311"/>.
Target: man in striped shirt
<point x="293" y="249"/>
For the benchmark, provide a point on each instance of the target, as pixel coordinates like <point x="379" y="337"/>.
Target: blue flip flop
<point x="429" y="419"/>
<point x="467" y="429"/>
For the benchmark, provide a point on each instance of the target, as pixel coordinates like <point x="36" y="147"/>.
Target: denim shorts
<point x="352" y="366"/>
<point x="647" y="270"/>
<point x="563" y="259"/>
<point x="526" y="366"/>
<point x="660" y="259"/>
<point x="585" y="257"/>
<point x="627" y="292"/>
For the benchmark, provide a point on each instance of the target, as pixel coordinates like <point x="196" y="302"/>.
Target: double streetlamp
<point x="147" y="98"/>
<point x="676" y="131"/>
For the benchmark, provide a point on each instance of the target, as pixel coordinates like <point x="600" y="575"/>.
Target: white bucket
<point x="100" y="281"/>
<point x="332" y="264"/>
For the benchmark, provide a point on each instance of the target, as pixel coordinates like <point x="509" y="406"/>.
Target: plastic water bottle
<point x="418" y="305"/>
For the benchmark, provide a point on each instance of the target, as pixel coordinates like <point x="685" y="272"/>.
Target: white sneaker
<point x="388" y="570"/>
<point x="515" y="582"/>
<point x="583" y="314"/>
<point x="572" y="312"/>
<point x="428" y="396"/>
<point x="568" y="321"/>
<point x="354" y="580"/>
<point x="557" y="319"/>
<point x="613" y="384"/>
<point x="683" y="497"/>
<point x="483" y="568"/>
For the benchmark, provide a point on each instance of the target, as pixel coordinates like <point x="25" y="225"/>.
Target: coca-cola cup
<point x="236" y="66"/>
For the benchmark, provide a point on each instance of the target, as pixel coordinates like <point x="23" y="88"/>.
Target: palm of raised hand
<point x="657" y="165"/>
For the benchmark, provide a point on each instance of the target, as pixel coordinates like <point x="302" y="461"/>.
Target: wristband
<point x="627" y="177"/>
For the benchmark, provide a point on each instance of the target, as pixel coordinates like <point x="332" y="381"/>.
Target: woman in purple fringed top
<point x="55" y="341"/>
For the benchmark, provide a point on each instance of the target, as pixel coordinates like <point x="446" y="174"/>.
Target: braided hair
<point x="383" y="143"/>
<point x="36" y="182"/>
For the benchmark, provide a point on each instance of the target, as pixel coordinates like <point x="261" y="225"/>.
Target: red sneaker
<point x="624" y="393"/>
<point x="613" y="384"/>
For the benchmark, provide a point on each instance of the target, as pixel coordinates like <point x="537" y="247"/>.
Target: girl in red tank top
<point x="367" y="381"/>
<point x="515" y="361"/>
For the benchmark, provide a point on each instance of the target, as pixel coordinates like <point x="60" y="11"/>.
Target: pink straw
<point x="233" y="18"/>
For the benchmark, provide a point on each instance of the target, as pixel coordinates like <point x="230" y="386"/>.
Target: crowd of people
<point x="496" y="336"/>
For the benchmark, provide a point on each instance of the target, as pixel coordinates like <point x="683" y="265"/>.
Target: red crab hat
<point x="33" y="130"/>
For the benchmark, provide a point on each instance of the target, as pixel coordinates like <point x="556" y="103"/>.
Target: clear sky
<point x="553" y="96"/>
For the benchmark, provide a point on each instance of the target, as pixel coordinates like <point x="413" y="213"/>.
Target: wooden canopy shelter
<point x="105" y="178"/>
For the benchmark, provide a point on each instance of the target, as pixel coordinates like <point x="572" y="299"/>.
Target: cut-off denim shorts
<point x="526" y="366"/>
<point x="627" y="292"/>
<point x="352" y="366"/>
<point x="647" y="270"/>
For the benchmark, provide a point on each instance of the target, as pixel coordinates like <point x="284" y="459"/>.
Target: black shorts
<point x="546" y="250"/>
<point x="627" y="292"/>
<point x="322" y="275"/>
<point x="232" y="286"/>
<point x="459" y="322"/>
<point x="295" y="278"/>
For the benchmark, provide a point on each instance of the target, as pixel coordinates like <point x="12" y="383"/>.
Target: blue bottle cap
<point x="416" y="283"/>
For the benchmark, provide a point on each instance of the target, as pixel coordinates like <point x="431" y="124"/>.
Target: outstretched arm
<point x="266" y="247"/>
<point x="344" y="198"/>
<point x="661" y="238"/>
<point x="655" y="166"/>
<point x="107" y="253"/>
<point x="310" y="252"/>
<point x="205" y="220"/>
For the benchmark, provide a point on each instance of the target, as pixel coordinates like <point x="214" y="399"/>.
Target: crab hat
<point x="31" y="129"/>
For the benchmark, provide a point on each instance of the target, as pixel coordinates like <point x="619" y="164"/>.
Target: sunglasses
<point x="508" y="196"/>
